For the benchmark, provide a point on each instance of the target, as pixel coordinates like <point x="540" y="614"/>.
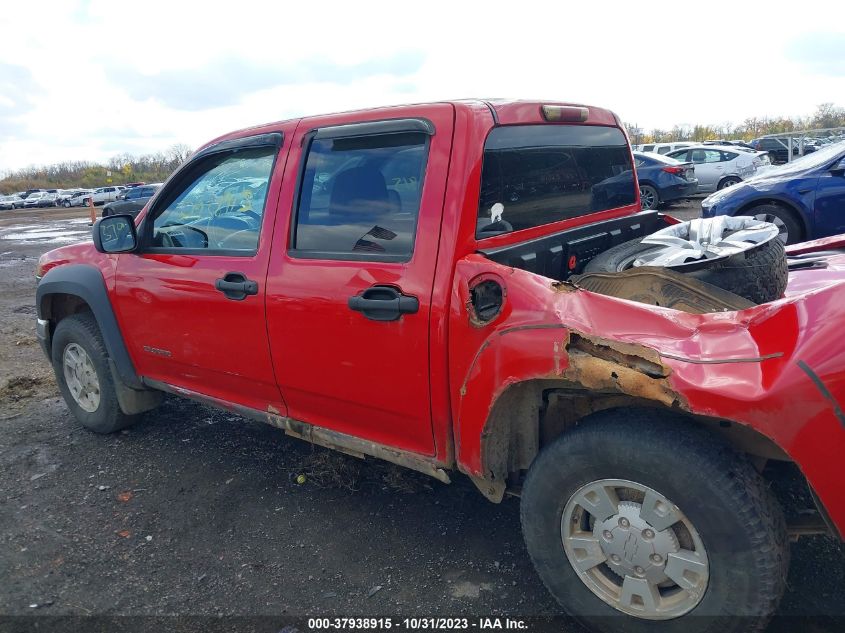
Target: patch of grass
<point x="19" y="388"/>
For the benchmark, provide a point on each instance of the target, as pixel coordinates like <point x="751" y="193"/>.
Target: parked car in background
<point x="133" y="201"/>
<point x="734" y="144"/>
<point x="778" y="148"/>
<point x="663" y="179"/>
<point x="77" y="198"/>
<point x="13" y="201"/>
<point x="105" y="194"/>
<point x="661" y="148"/>
<point x="29" y="192"/>
<point x="34" y="199"/>
<point x="717" y="167"/>
<point x="805" y="198"/>
<point x="65" y="194"/>
<point x="49" y="199"/>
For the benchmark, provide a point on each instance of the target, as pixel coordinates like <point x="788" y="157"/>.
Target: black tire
<point x="730" y="181"/>
<point x="66" y="204"/>
<point x="740" y="524"/>
<point x="791" y="230"/>
<point x="761" y="277"/>
<point x="649" y="198"/>
<point x="82" y="330"/>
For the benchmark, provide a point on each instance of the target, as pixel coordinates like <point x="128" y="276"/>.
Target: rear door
<point x="708" y="167"/>
<point x="191" y="302"/>
<point x="350" y="281"/>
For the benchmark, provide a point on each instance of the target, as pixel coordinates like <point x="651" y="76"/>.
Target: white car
<point x="717" y="166"/>
<point x="105" y="194"/>
<point x="77" y="198"/>
<point x="662" y="148"/>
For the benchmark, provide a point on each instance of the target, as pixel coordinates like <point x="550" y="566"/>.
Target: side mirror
<point x="839" y="168"/>
<point x="115" y="234"/>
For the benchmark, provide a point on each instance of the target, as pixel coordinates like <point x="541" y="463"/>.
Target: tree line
<point x="827" y="115"/>
<point x="119" y="169"/>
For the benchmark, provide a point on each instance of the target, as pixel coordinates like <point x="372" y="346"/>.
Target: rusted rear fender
<point x="777" y="368"/>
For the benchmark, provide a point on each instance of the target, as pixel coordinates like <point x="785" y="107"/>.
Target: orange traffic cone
<point x="91" y="209"/>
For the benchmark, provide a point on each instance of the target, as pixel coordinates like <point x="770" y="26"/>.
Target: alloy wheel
<point x="635" y="549"/>
<point x="81" y="377"/>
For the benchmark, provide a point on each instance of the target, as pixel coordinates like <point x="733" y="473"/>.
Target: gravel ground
<point x="196" y="511"/>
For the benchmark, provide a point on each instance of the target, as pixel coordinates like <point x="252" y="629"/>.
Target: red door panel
<point x="335" y="367"/>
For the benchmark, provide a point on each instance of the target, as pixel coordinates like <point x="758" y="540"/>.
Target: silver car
<point x="11" y="202"/>
<point x="718" y="166"/>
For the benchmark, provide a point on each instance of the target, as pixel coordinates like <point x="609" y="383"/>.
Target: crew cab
<point x="408" y="283"/>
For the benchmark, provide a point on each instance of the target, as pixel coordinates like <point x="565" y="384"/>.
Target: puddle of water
<point x="41" y="235"/>
<point x="24" y="227"/>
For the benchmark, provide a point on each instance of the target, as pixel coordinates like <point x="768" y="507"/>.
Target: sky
<point x="90" y="79"/>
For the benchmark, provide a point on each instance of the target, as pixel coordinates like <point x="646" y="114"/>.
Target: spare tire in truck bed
<point x="741" y="255"/>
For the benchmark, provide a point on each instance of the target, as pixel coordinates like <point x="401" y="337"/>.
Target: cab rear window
<point x="539" y="174"/>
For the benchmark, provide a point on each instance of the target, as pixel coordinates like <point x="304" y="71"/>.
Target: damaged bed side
<point x="557" y="352"/>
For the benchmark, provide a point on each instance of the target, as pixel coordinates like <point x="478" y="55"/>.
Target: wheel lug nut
<point x="615" y="558"/>
<point x="649" y="534"/>
<point x="639" y="570"/>
<point x="608" y="535"/>
<point x="623" y="522"/>
<point x="656" y="558"/>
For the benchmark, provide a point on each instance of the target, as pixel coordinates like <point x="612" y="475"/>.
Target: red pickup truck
<point x="413" y="283"/>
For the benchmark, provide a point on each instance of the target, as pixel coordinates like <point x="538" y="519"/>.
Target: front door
<point x="830" y="199"/>
<point x="192" y="300"/>
<point x="351" y="276"/>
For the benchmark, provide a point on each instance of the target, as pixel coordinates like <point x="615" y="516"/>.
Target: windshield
<point x="816" y="159"/>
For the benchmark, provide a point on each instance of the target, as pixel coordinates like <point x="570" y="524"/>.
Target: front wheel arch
<point x="86" y="284"/>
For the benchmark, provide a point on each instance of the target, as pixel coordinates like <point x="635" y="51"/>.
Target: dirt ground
<point x="196" y="511"/>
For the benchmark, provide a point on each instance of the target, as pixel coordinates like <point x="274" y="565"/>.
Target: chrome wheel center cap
<point x="632" y="546"/>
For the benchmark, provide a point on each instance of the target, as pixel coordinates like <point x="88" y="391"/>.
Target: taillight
<point x="677" y="171"/>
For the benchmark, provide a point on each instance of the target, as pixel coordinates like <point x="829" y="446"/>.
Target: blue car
<point x="804" y="198"/>
<point x="663" y="179"/>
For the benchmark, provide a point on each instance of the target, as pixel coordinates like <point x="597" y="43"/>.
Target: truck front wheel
<point x="639" y="521"/>
<point x="80" y="362"/>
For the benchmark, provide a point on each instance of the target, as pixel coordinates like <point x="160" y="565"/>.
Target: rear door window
<point x="539" y="174"/>
<point x="706" y="156"/>
<point x="360" y="197"/>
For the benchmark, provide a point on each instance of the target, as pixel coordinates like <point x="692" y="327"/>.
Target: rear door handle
<point x="383" y="303"/>
<point x="236" y="286"/>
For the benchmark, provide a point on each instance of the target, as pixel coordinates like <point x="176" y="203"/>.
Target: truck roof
<point x="504" y="112"/>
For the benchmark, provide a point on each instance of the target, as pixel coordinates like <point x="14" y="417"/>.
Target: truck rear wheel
<point x="80" y="362"/>
<point x="639" y="523"/>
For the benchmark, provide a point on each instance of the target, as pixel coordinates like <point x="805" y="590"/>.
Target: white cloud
<point x="105" y="76"/>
